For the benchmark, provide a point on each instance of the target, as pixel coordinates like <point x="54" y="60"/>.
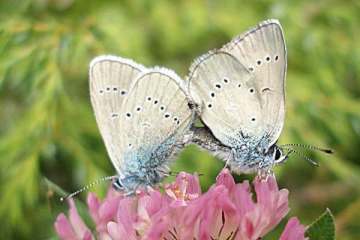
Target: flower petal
<point x="93" y="205"/>
<point x="293" y="230"/>
<point x="77" y="223"/>
<point x="114" y="232"/>
<point x="226" y="179"/>
<point x="63" y="228"/>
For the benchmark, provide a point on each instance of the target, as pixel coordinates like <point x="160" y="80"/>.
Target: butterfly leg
<point x="263" y="174"/>
<point x="228" y="157"/>
<point x="130" y="193"/>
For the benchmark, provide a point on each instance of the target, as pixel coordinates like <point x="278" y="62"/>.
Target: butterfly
<point x="142" y="114"/>
<point x="239" y="94"/>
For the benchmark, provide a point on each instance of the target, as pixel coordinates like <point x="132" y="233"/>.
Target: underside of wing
<point x="153" y="118"/>
<point x="110" y="80"/>
<point x="262" y="51"/>
<point x="227" y="94"/>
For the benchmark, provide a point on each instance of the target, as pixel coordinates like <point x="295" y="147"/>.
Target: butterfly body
<point x="252" y="154"/>
<point x="145" y="166"/>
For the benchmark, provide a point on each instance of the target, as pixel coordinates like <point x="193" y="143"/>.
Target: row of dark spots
<point x="218" y="86"/>
<point x="166" y="115"/>
<point x="155" y="101"/>
<point x="267" y="59"/>
<point x="115" y="89"/>
<point x="251" y="90"/>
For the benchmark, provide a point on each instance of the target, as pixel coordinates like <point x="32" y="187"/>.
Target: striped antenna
<point x="301" y="155"/>
<point x="87" y="187"/>
<point x="325" y="150"/>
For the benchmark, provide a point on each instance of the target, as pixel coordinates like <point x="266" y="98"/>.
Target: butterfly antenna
<point x="301" y="155"/>
<point x="325" y="150"/>
<point x="172" y="173"/>
<point x="90" y="185"/>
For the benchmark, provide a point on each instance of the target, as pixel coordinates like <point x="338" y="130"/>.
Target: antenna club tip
<point x="62" y="199"/>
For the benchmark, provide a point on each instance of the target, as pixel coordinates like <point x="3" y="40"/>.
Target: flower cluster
<point x="226" y="211"/>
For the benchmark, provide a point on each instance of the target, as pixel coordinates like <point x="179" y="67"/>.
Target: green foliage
<point x="47" y="125"/>
<point x="323" y="228"/>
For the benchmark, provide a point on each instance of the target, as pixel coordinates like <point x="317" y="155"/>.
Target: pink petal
<point x="77" y="223"/>
<point x="126" y="215"/>
<point x="93" y="205"/>
<point x="273" y="202"/>
<point x="155" y="202"/>
<point x="108" y="209"/>
<point x="293" y="230"/>
<point x="87" y="236"/>
<point x="226" y="179"/>
<point x="114" y="232"/>
<point x="242" y="198"/>
<point x="63" y="228"/>
<point x="193" y="187"/>
<point x="158" y="230"/>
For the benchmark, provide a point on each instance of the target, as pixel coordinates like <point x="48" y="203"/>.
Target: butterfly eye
<point x="117" y="184"/>
<point x="258" y="62"/>
<point x="251" y="90"/>
<point x="268" y="58"/>
<point x="128" y="115"/>
<point x="123" y="92"/>
<point x="149" y="98"/>
<point x="253" y="119"/>
<point x="212" y="94"/>
<point x="277" y="154"/>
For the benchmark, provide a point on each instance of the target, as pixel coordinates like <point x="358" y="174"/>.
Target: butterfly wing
<point x="110" y="80"/>
<point x="262" y="51"/>
<point x="226" y="91"/>
<point x="156" y="112"/>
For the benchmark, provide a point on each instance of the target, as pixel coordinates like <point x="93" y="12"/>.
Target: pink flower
<point x="226" y="211"/>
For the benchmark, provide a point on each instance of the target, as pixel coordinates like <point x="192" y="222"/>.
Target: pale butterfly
<point x="239" y="94"/>
<point x="142" y="115"/>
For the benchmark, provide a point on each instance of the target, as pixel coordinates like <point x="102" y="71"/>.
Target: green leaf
<point x="322" y="228"/>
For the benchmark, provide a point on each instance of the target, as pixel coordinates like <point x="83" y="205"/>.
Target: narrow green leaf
<point x="322" y="228"/>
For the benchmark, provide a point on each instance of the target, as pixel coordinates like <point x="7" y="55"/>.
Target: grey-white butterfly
<point x="240" y="97"/>
<point x="142" y="115"/>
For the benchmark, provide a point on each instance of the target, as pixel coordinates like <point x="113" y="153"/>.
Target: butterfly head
<point x="127" y="185"/>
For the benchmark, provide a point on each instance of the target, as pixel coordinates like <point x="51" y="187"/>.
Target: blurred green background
<point x="48" y="130"/>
